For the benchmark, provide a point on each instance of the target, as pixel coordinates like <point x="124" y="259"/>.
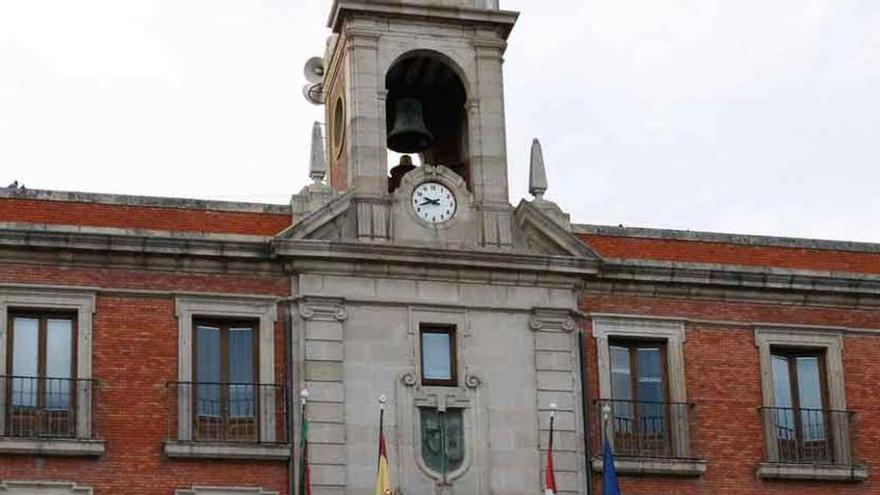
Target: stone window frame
<point x="830" y="342"/>
<point x="464" y="395"/>
<point x="264" y="311"/>
<point x="82" y="302"/>
<point x="222" y="490"/>
<point x="37" y="487"/>
<point x="673" y="333"/>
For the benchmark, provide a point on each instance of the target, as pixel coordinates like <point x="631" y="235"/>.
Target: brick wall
<point x="723" y="380"/>
<point x="733" y="254"/>
<point x="140" y="217"/>
<point x="134" y="356"/>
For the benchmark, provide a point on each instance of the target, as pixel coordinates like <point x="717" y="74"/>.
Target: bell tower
<point x="420" y="78"/>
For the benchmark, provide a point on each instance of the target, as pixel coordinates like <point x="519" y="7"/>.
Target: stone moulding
<point x="812" y="472"/>
<point x="655" y="467"/>
<point x="550" y="319"/>
<point x="219" y="490"/>
<point x="323" y="308"/>
<point x="213" y="450"/>
<point x="59" y="448"/>
<point x="48" y="487"/>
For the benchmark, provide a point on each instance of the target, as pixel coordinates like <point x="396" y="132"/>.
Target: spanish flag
<point x="383" y="475"/>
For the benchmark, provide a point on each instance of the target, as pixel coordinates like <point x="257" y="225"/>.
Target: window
<point x="40" y="368"/>
<point x="225" y="402"/>
<point x="799" y="413"/>
<point x="642" y="407"/>
<point x="47" y="393"/>
<point x="225" y="392"/>
<point x="438" y="355"/>
<point x="639" y="404"/>
<point x="806" y="423"/>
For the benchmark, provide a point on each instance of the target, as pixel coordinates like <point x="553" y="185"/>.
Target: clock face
<point x="433" y="202"/>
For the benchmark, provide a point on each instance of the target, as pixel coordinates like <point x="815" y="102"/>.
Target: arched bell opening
<point x="425" y="115"/>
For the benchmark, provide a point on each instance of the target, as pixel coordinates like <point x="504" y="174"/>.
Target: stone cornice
<point x="431" y="258"/>
<point x="413" y="260"/>
<point x="458" y="15"/>
<point x="742" y="277"/>
<point x="151" y="201"/>
<point x="738" y="239"/>
<point x="110" y="240"/>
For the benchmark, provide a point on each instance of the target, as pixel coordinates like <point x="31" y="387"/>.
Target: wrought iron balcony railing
<point x="807" y="436"/>
<point x="46" y="407"/>
<point x="645" y="429"/>
<point x="227" y="412"/>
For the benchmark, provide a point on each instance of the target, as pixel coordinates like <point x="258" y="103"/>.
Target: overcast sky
<point x="749" y="116"/>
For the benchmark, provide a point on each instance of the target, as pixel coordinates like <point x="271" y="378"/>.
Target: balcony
<point x="805" y="443"/>
<point x="227" y="421"/>
<point x="51" y="416"/>
<point x="648" y="438"/>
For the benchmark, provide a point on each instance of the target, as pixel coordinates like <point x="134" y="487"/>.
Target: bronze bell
<point x="409" y="134"/>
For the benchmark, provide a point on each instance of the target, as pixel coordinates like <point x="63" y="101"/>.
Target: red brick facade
<point x="134" y="356"/>
<point x="723" y="382"/>
<point x="135" y="345"/>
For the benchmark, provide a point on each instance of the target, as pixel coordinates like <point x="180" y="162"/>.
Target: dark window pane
<point x="810" y="395"/>
<point x="241" y="372"/>
<point x="25" y="354"/>
<point x="784" y="416"/>
<point x="650" y="391"/>
<point x="650" y="385"/>
<point x="781" y="382"/>
<point x="649" y="364"/>
<point x="436" y="356"/>
<point x="59" y="334"/>
<point x="621" y="378"/>
<point x="809" y="382"/>
<point x="208" y="371"/>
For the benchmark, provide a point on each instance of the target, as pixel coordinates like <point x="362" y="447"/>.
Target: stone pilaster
<point x="487" y="131"/>
<point x="366" y="113"/>
<point x="322" y="372"/>
<point x="558" y="382"/>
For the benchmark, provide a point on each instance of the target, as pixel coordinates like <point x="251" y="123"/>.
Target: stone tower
<point x="423" y="284"/>
<point x="449" y="53"/>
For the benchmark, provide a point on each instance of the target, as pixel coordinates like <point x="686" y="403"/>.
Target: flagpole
<point x="549" y="474"/>
<point x="383" y="476"/>
<point x="304" y="482"/>
<point x="382" y="401"/>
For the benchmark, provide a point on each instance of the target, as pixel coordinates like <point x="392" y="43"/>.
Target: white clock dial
<point x="433" y="202"/>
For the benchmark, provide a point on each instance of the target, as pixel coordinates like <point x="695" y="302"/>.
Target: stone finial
<point x="537" y="172"/>
<point x="317" y="160"/>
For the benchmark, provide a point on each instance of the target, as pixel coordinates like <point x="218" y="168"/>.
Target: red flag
<point x="549" y="476"/>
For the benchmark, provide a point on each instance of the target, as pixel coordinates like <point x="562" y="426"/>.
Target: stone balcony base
<point x="655" y="466"/>
<point x="216" y="450"/>
<point x="70" y="447"/>
<point x="814" y="472"/>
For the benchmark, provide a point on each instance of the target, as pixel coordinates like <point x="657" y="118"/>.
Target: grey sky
<point x="749" y="116"/>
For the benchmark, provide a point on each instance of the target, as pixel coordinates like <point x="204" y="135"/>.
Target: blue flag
<point x="609" y="474"/>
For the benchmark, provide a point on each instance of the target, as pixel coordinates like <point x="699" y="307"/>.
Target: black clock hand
<point x="429" y="201"/>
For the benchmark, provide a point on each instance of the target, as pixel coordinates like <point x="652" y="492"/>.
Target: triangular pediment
<point x="541" y="234"/>
<point x="329" y="222"/>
